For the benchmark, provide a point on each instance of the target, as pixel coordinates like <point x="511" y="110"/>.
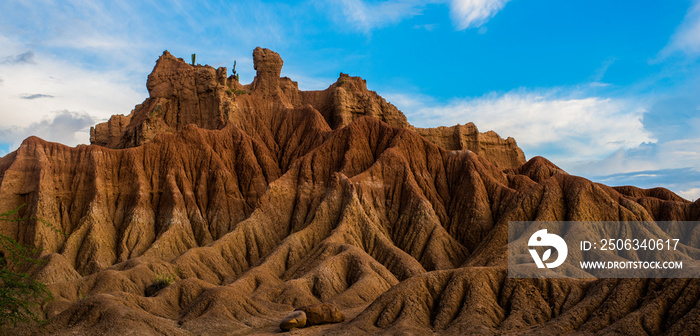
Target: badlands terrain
<point x="253" y="200"/>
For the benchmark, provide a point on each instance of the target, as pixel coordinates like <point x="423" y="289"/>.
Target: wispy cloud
<point x="674" y="154"/>
<point x="428" y="27"/>
<point x="474" y="13"/>
<point x="35" y="96"/>
<point x="671" y="164"/>
<point x="366" y="16"/>
<point x="683" y="181"/>
<point x="127" y="36"/>
<point x="543" y="123"/>
<point x="686" y="39"/>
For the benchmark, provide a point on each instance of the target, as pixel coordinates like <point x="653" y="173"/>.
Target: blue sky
<point x="605" y="89"/>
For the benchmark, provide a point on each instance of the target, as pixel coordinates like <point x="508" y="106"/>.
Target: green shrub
<point x="166" y="279"/>
<point x="156" y="111"/>
<point x="21" y="297"/>
<point x="160" y="281"/>
<point x="232" y="92"/>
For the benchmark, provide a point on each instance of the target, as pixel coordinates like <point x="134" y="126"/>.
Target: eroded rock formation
<point x="260" y="198"/>
<point x="295" y="319"/>
<point x="321" y="313"/>
<point x="181" y="94"/>
<point x="501" y="152"/>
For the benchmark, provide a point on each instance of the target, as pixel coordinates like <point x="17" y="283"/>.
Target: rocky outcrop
<point x="181" y="94"/>
<point x="307" y="316"/>
<point x="276" y="209"/>
<point x="501" y="152"/>
<point x="295" y="319"/>
<point x="351" y="100"/>
<point x="108" y="134"/>
<point x="322" y="313"/>
<point x="268" y="66"/>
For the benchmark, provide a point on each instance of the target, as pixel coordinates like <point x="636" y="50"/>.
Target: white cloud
<point x="620" y="161"/>
<point x="474" y="13"/>
<point x="686" y="39"/>
<point x="35" y="89"/>
<point x="602" y="139"/>
<point x="367" y="16"/>
<point x="563" y="129"/>
<point x="674" y="154"/>
<point x="685" y="182"/>
<point x="672" y="164"/>
<point x="690" y="194"/>
<point x="66" y="127"/>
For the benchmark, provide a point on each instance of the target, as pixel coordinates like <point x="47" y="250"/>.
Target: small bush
<point x="156" y="111"/>
<point x="167" y="279"/>
<point x="159" y="282"/>
<point x="21" y="297"/>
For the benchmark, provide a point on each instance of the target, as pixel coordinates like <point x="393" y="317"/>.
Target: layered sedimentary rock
<point x="181" y="94"/>
<point x="260" y="199"/>
<point x="108" y="134"/>
<point x="501" y="152"/>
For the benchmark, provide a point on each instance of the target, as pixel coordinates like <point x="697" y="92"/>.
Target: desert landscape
<point x="218" y="208"/>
